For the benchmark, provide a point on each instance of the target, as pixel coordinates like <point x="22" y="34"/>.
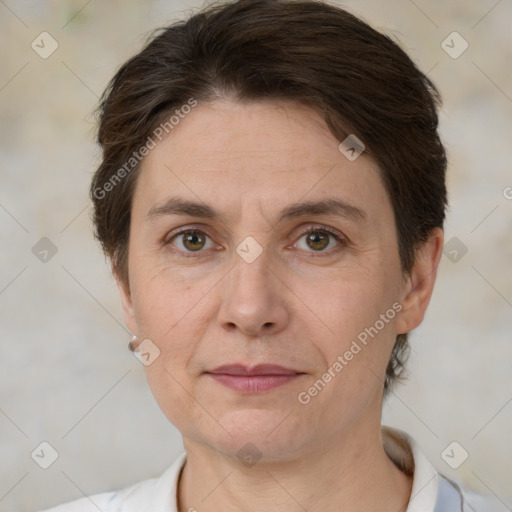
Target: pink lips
<point x="263" y="377"/>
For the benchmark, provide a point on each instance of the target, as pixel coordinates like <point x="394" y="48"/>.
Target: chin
<point x="257" y="433"/>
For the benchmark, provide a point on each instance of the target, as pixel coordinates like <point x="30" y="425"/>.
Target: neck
<point x="351" y="470"/>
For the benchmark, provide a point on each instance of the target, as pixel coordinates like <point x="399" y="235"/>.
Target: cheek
<point x="171" y="315"/>
<point x="351" y="301"/>
<point x="173" y="395"/>
<point x="359" y="320"/>
<point x="164" y="300"/>
<point x="355" y="353"/>
<point x="171" y="318"/>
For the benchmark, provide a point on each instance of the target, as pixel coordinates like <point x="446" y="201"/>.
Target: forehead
<point x="267" y="152"/>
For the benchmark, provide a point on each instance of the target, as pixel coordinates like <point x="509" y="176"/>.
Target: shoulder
<point x="151" y="495"/>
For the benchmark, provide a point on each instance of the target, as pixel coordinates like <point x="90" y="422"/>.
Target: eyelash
<point x="341" y="239"/>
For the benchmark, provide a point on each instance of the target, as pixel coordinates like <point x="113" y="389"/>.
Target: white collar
<point x="405" y="452"/>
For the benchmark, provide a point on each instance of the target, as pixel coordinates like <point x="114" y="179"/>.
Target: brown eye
<point x="190" y="240"/>
<point x="317" y="241"/>
<point x="193" y="241"/>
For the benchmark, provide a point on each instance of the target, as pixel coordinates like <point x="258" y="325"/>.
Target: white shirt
<point x="431" y="491"/>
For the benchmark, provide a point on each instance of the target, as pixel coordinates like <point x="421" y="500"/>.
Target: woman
<point x="272" y="196"/>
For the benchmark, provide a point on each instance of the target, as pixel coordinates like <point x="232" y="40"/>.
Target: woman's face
<point x="249" y="287"/>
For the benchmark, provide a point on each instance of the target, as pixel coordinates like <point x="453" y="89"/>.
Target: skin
<point x="296" y="305"/>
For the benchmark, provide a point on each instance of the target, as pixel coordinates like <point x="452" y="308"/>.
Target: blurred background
<point x="66" y="375"/>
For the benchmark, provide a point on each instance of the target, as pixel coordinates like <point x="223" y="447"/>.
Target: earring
<point x="131" y="344"/>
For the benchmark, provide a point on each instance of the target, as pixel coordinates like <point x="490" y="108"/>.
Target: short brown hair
<point x="357" y="78"/>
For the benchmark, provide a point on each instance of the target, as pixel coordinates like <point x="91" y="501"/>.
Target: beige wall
<point x="66" y="376"/>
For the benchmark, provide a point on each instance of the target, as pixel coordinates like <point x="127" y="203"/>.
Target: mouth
<point x="258" y="379"/>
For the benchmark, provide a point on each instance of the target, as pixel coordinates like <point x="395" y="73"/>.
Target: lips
<point x="258" y="379"/>
<point x="261" y="369"/>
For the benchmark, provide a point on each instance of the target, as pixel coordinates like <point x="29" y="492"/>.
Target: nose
<point x="254" y="298"/>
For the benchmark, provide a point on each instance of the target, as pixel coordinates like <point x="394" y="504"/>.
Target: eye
<point x="190" y="240"/>
<point x="317" y="239"/>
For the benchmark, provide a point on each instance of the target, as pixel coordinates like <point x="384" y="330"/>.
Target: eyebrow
<point x="327" y="206"/>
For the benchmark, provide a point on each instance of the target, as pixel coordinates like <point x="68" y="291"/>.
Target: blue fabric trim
<point x="449" y="497"/>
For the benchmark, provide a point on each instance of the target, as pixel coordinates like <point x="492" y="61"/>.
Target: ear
<point x="127" y="303"/>
<point x="419" y="285"/>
